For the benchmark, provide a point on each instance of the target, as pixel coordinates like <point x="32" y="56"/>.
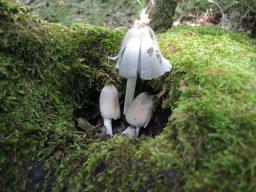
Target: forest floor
<point x="111" y="13"/>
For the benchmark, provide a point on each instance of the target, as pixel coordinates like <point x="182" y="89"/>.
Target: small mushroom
<point x="130" y="132"/>
<point x="139" y="112"/>
<point x="140" y="55"/>
<point x="109" y="106"/>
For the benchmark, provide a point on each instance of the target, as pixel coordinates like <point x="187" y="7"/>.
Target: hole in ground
<point x="157" y="123"/>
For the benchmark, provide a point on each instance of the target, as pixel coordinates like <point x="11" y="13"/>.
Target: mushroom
<point x="109" y="106"/>
<point x="140" y="54"/>
<point x="139" y="112"/>
<point x="130" y="132"/>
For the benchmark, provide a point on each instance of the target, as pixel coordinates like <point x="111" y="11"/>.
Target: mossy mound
<point x="48" y="70"/>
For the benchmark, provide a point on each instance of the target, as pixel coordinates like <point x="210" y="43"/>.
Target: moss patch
<point x="48" y="70"/>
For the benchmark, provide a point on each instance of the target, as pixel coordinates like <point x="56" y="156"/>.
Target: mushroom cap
<point x="144" y="18"/>
<point x="140" y="54"/>
<point x="109" y="103"/>
<point x="127" y="62"/>
<point x="152" y="64"/>
<point x="139" y="112"/>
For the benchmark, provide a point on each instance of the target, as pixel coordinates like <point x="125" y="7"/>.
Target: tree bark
<point x="161" y="13"/>
<point x="254" y="30"/>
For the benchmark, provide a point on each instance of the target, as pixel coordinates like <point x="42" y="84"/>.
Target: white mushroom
<point x="139" y="112"/>
<point x="109" y="106"/>
<point x="140" y="54"/>
<point x="130" y="132"/>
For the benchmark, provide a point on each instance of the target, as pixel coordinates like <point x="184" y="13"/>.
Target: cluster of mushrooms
<point x="139" y="55"/>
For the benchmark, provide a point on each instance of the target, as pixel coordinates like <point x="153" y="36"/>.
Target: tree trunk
<point x="254" y="30"/>
<point x="161" y="13"/>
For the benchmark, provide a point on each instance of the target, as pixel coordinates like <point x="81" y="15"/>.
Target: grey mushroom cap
<point x="140" y="54"/>
<point x="109" y="103"/>
<point x="140" y="111"/>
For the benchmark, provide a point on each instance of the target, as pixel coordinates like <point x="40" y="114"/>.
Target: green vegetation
<point x="111" y="13"/>
<point x="239" y="14"/>
<point x="48" y="70"/>
<point x="234" y="14"/>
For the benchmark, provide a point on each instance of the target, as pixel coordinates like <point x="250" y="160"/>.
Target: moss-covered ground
<point x="48" y="70"/>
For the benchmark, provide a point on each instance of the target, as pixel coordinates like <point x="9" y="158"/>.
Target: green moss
<point x="47" y="71"/>
<point x="215" y="115"/>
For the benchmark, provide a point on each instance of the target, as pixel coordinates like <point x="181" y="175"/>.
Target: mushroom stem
<point x="137" y="131"/>
<point x="130" y="132"/>
<point x="108" y="125"/>
<point x="129" y="94"/>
